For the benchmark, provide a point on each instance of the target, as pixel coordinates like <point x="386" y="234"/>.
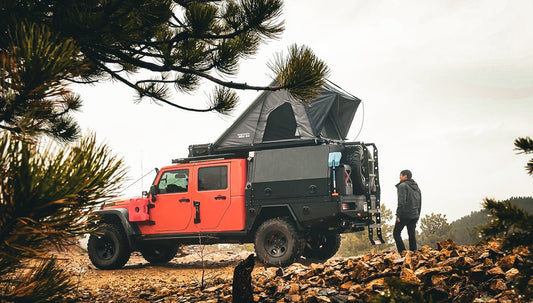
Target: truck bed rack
<point x="210" y="149"/>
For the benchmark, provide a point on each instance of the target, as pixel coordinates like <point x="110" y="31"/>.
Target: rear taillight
<point x="347" y="206"/>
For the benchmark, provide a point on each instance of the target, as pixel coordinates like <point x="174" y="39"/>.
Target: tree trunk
<point x="242" y="281"/>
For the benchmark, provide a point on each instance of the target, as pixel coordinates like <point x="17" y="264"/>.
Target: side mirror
<point x="154" y="190"/>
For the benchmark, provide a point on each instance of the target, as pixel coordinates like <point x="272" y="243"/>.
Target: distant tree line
<point x="467" y="229"/>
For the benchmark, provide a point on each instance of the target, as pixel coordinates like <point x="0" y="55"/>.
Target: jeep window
<point x="174" y="181"/>
<point x="213" y="178"/>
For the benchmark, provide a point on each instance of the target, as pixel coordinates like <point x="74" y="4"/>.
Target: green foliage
<point x="525" y="146"/>
<point x="43" y="282"/>
<point x="435" y="227"/>
<point x="354" y="244"/>
<point x="47" y="194"/>
<point x="435" y="224"/>
<point x="34" y="98"/>
<point x="224" y="100"/>
<point x="399" y="291"/>
<point x="509" y="221"/>
<point x="525" y="203"/>
<point x="166" y="43"/>
<point x="302" y="73"/>
<point x="515" y="225"/>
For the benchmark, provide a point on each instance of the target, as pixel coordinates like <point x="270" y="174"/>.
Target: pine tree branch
<point x="524" y="145"/>
<point x="15" y="129"/>
<point x="158" y="68"/>
<point x="529" y="167"/>
<point x="158" y="98"/>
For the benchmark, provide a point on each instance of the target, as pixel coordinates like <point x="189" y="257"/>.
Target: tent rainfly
<point x="275" y="117"/>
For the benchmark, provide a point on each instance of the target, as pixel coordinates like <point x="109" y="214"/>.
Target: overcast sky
<point x="446" y="86"/>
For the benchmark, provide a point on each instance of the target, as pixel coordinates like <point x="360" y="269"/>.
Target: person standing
<point x="408" y="211"/>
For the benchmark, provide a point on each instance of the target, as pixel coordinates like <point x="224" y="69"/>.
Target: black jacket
<point x="409" y="200"/>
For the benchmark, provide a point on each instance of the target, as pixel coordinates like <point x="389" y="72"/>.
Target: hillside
<point x="465" y="231"/>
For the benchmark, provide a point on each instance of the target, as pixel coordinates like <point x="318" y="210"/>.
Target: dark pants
<point x="398" y="227"/>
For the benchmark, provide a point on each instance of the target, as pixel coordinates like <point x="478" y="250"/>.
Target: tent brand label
<point x="243" y="135"/>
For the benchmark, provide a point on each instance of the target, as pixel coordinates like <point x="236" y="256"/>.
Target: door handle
<point x="185" y="200"/>
<point x="220" y="198"/>
<point x="197" y="217"/>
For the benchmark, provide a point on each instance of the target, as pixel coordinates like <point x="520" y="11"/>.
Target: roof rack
<point x="210" y="157"/>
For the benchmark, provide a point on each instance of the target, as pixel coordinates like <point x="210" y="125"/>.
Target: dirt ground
<point x="139" y="281"/>
<point x="480" y="273"/>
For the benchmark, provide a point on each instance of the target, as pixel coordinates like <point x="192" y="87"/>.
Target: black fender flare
<point x="120" y="216"/>
<point x="276" y="210"/>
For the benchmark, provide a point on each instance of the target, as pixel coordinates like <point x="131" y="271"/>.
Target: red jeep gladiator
<point x="290" y="202"/>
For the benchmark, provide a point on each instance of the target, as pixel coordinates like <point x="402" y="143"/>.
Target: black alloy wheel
<point x="277" y="242"/>
<point x="108" y="247"/>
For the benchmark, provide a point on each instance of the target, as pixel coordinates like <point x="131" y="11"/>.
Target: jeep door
<point x="172" y="208"/>
<point x="212" y="197"/>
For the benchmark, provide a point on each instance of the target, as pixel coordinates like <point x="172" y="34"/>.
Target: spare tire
<point x="355" y="157"/>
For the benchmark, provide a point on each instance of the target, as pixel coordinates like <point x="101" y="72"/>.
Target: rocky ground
<point x="451" y="273"/>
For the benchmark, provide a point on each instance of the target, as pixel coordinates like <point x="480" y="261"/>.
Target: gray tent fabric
<point x="276" y="117"/>
<point x="281" y="124"/>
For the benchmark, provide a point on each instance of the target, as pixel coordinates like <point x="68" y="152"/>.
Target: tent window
<point x="281" y="124"/>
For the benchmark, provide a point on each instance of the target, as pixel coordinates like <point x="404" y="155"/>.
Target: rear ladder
<point x="374" y="206"/>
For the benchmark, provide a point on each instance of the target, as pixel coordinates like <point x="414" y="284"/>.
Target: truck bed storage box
<point x="292" y="172"/>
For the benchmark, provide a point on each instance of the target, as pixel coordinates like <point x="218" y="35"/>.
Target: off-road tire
<point x="277" y="242"/>
<point x="158" y="253"/>
<point x="354" y="156"/>
<point x="108" y="248"/>
<point x="322" y="245"/>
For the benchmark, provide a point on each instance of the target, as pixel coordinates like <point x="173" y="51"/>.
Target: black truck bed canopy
<point x="276" y="118"/>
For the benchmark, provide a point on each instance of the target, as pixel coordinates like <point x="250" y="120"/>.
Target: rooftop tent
<point x="276" y="117"/>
